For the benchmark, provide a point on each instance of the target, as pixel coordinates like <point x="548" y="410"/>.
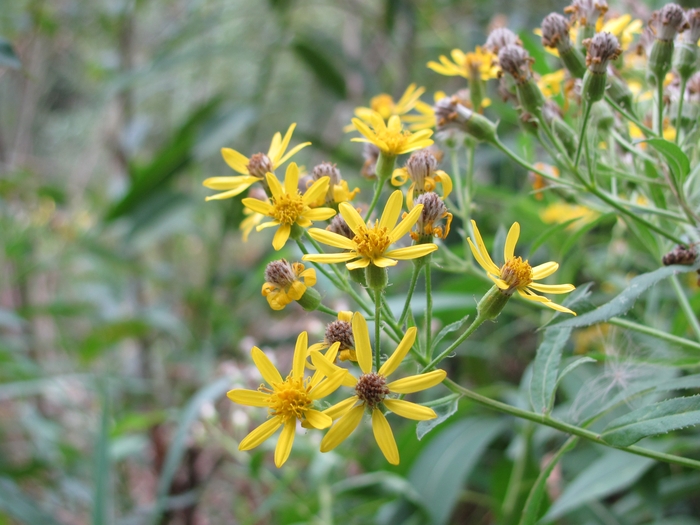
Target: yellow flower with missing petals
<point x="550" y="84"/>
<point x="372" y="393"/>
<point x="252" y="169"/>
<point x="386" y="107"/>
<point x="516" y="274"/>
<point x="338" y="331"/>
<point x="389" y="137"/>
<point x="286" y="282"/>
<point x="421" y="169"/>
<point x="288" y="206"/>
<point x="479" y="64"/>
<point x="288" y="401"/>
<point x="371" y="243"/>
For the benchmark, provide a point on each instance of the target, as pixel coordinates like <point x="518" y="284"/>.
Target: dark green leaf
<point x="678" y="162"/>
<point x="8" y="57"/>
<point x="659" y="418"/>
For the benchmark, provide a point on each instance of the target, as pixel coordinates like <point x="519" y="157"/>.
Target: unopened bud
<point x="258" y="165"/>
<point x="339" y="226"/>
<point x="602" y="48"/>
<point x="311" y="299"/>
<point x="586" y="13"/>
<point x="668" y="21"/>
<point x="450" y="114"/>
<point x="500" y="38"/>
<point x="555" y="32"/>
<point x="434" y="210"/>
<point x="421" y="165"/>
<point x="326" y="169"/>
<point x="280" y="273"/>
<point x="517" y="62"/>
<point x="492" y="303"/>
<point x="686" y="58"/>
<point x="340" y="332"/>
<point x="692" y="33"/>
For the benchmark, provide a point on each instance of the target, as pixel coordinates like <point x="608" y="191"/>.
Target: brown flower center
<point x="516" y="273"/>
<point x="259" y="164"/>
<point x="371" y="388"/>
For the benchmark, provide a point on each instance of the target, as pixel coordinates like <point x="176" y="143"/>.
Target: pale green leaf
<point x="445" y="408"/>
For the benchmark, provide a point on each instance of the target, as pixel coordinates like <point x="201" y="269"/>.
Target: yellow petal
<point x="360" y="263"/>
<point x="258" y="206"/>
<point x="411" y="252"/>
<point x="284" y="144"/>
<point x="544" y="270"/>
<point x="445" y="181"/>
<point x="291" y="179"/>
<point x="499" y="282"/>
<point x="383" y="262"/>
<point x="319" y="214"/>
<point x="318" y="419"/>
<point x="511" y="240"/>
<point x="296" y="290"/>
<point x="281" y="236"/>
<point x="363" y="347"/>
<point x="260" y="434"/>
<point x="392" y="210"/>
<point x="342" y="429"/>
<point x="340" y="409"/>
<point x="331" y="239"/>
<point x="411" y="384"/>
<point x="285" y="442"/>
<point x="559" y="308"/>
<point x="344" y="315"/>
<point x="489" y="265"/>
<point x="250" y="398"/>
<point x="235" y="160"/>
<point x="391" y="364"/>
<point x="274" y="149"/>
<point x="552" y="288"/>
<point x="384" y="437"/>
<point x="398" y="177"/>
<point x="328" y="385"/>
<point x="275" y="187"/>
<point x="329" y="258"/>
<point x="266" y="225"/>
<point x="226" y="194"/>
<point x="324" y="363"/>
<point x="406" y="223"/>
<point x="527" y="294"/>
<point x="291" y="153"/>
<point x="229" y="183"/>
<point x="299" y="355"/>
<point x="316" y="191"/>
<point x="267" y="369"/>
<point x="410" y="410"/>
<point x="351" y="216"/>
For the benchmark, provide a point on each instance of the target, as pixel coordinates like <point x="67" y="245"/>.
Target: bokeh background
<point x="128" y="305"/>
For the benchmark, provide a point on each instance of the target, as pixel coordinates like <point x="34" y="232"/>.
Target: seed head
<point x="340" y="332"/>
<point x="420" y="165"/>
<point x="692" y="35"/>
<point x="280" y="273"/>
<point x="371" y="153"/>
<point x="668" y="21"/>
<point x="602" y="48"/>
<point x="680" y="255"/>
<point x="339" y="226"/>
<point x="434" y="210"/>
<point x="555" y="31"/>
<point x="326" y="169"/>
<point x="259" y="164"/>
<point x="587" y="12"/>
<point x="500" y="38"/>
<point x="371" y="388"/>
<point x="517" y="62"/>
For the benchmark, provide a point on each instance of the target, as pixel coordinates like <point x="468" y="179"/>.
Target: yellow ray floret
<point x="276" y="155"/>
<point x="288" y="206"/>
<point x="371" y="242"/>
<point x="516" y="274"/>
<point x="479" y="64"/>
<point x="372" y="392"/>
<point x="279" y="295"/>
<point x="287" y="400"/>
<point x="389" y="137"/>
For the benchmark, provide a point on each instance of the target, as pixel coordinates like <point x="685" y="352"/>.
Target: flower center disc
<point x="372" y="242"/>
<point x="287" y="208"/>
<point x="289" y="398"/>
<point x="516" y="273"/>
<point x="371" y="388"/>
<point x="395" y="140"/>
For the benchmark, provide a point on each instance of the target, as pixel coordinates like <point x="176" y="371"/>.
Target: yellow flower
<point x="286" y="283"/>
<point x="252" y="169"/>
<point x="561" y="212"/>
<point x="372" y="393"/>
<point x="339" y="331"/>
<point x="550" y="84"/>
<point x="420" y="169"/>
<point x="288" y="401"/>
<point x="371" y="243"/>
<point x="288" y="206"/>
<point x="389" y="137"/>
<point x="479" y="64"/>
<point x="386" y="107"/>
<point x="624" y="28"/>
<point x="516" y="274"/>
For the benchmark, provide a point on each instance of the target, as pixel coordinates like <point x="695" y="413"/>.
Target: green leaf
<point x="626" y="299"/>
<point x="572" y="366"/>
<point x="546" y="366"/>
<point x="8" y="57"/>
<point x="17" y="504"/>
<point x="678" y="162"/>
<point x="534" y="48"/>
<point x="659" y="418"/>
<point x="438" y="474"/>
<point x="612" y="472"/>
<point x="444" y="409"/>
<point x="322" y="67"/>
<point x="176" y="450"/>
<point x="101" y="466"/>
<point x="104" y="336"/>
<point x="452" y="327"/>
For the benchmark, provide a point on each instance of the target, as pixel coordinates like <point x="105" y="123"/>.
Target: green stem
<point x="647" y="330"/>
<point x="334" y="267"/>
<point x="428" y="307"/>
<point x="514" y="157"/>
<point x="582" y="136"/>
<point x="516" y="477"/>
<point x="686" y="307"/>
<point x="660" y="106"/>
<point x="469" y="331"/>
<point x="411" y="288"/>
<point x="567" y="428"/>
<point x="383" y="169"/>
<point x="629" y="117"/>
<point x="377" y="329"/>
<point x="326" y="310"/>
<point x="680" y="109"/>
<point x="319" y="267"/>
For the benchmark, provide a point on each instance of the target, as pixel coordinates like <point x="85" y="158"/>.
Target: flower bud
<point x="434" y="210"/>
<point x="586" y="13"/>
<point x="451" y="114"/>
<point x="602" y="48"/>
<point x="555" y="34"/>
<point x="686" y="57"/>
<point x="280" y="273"/>
<point x="377" y="278"/>
<point x="515" y="61"/>
<point x="421" y="165"/>
<point x="258" y="165"/>
<point x="310" y="300"/>
<point x="500" y="38"/>
<point x="665" y="24"/>
<point x="492" y="303"/>
<point x="692" y="33"/>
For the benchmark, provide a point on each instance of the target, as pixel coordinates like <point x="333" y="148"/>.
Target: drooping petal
<point x="235" y="160"/>
<point x="488" y="265"/>
<point x="411" y="252"/>
<point x="552" y="288"/>
<point x="526" y="294"/>
<point x="299" y="355"/>
<point x="250" y="398"/>
<point x="342" y="429"/>
<point x="266" y="225"/>
<point x="351" y="216"/>
<point x="331" y="239"/>
<point x="558" y="307"/>
<point x="291" y="179"/>
<point x="544" y="270"/>
<point x="399" y="176"/>
<point x="339" y="409"/>
<point x="410" y="410"/>
<point x="296" y="290"/>
<point x="445" y="182"/>
<point x="499" y="282"/>
<point x="267" y="369"/>
<point x="360" y="263"/>
<point x="384" y="437"/>
<point x="391" y="364"/>
<point x="511" y="241"/>
<point x="309" y="276"/>
<point x="363" y="347"/>
<point x="411" y="384"/>
<point x="316" y="191"/>
<point x="392" y="210"/>
<point x="281" y="236"/>
<point x="229" y="183"/>
<point x="406" y="223"/>
<point x="329" y="258"/>
<point x="260" y="434"/>
<point x="285" y="442"/>
<point x="318" y="419"/>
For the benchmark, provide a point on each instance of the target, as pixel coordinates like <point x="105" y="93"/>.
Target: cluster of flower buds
<point x="686" y="58"/>
<point x="586" y="13"/>
<point x="555" y="35"/>
<point x="451" y="114"/>
<point x="285" y="282"/>
<point x="665" y="24"/>
<point x="516" y="62"/>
